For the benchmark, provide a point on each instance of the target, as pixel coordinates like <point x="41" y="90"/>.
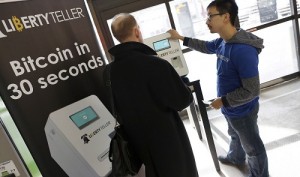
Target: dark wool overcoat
<point x="148" y="95"/>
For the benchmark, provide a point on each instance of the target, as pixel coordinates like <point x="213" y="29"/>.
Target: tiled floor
<point x="282" y="139"/>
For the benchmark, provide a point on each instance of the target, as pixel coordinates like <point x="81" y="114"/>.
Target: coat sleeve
<point x="208" y="47"/>
<point x="250" y="90"/>
<point x="168" y="89"/>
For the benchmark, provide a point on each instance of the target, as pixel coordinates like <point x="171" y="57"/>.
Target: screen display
<point x="84" y="117"/>
<point x="161" y="45"/>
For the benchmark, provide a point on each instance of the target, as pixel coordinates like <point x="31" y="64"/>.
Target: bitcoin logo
<point x="17" y="22"/>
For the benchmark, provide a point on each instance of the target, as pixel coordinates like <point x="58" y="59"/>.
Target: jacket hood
<point x="244" y="37"/>
<point x="124" y="48"/>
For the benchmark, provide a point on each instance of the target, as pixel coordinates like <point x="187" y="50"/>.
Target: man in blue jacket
<point x="238" y="85"/>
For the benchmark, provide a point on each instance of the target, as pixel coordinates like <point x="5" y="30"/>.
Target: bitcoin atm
<point x="170" y="50"/>
<point x="78" y="137"/>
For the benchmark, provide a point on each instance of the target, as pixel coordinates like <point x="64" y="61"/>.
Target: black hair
<point x="226" y="6"/>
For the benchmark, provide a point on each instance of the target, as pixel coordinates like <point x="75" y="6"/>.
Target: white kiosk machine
<point x="78" y="136"/>
<point x="169" y="50"/>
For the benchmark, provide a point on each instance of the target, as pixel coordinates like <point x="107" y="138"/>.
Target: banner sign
<point x="49" y="58"/>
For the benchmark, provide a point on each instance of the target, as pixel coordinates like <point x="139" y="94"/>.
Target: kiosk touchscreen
<point x="78" y="137"/>
<point x="169" y="50"/>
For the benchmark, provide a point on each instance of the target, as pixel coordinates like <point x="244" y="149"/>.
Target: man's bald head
<point x="123" y="26"/>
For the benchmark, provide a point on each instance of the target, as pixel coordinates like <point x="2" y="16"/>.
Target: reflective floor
<point x="279" y="123"/>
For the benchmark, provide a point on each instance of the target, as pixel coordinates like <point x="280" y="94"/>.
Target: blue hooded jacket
<point x="237" y="70"/>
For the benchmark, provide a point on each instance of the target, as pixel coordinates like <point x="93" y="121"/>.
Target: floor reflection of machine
<point x="267" y="10"/>
<point x="78" y="136"/>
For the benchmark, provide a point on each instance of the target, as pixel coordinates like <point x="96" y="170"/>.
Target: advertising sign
<point x="49" y="58"/>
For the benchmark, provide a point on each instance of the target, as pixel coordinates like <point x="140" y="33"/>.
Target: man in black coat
<point x="148" y="94"/>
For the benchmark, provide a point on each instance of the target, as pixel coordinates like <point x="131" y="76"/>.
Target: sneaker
<point x="226" y="160"/>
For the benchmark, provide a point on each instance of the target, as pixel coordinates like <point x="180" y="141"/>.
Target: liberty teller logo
<point x="19" y="24"/>
<point x="85" y="138"/>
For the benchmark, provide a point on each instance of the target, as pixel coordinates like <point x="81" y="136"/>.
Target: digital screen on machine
<point x="84" y="117"/>
<point x="161" y="45"/>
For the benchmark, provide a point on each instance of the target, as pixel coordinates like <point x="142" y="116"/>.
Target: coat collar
<point x="127" y="47"/>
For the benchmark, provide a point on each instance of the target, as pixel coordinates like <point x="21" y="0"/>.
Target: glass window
<point x="256" y="12"/>
<point x="152" y="21"/>
<point x="203" y="67"/>
<point x="190" y="17"/>
<point x="278" y="58"/>
<point x="273" y="62"/>
<point x="298" y="6"/>
<point x="190" y="20"/>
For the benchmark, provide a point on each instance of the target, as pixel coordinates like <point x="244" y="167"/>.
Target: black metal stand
<point x="196" y="88"/>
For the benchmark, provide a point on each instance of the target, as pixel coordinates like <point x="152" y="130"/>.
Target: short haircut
<point x="226" y="6"/>
<point x="122" y="26"/>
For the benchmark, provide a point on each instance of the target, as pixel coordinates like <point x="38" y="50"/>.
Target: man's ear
<point x="136" y="32"/>
<point x="227" y="17"/>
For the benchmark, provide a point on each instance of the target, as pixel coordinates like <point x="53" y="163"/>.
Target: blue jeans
<point x="245" y="139"/>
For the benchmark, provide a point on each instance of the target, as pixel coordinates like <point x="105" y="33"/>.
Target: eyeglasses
<point x="210" y="16"/>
